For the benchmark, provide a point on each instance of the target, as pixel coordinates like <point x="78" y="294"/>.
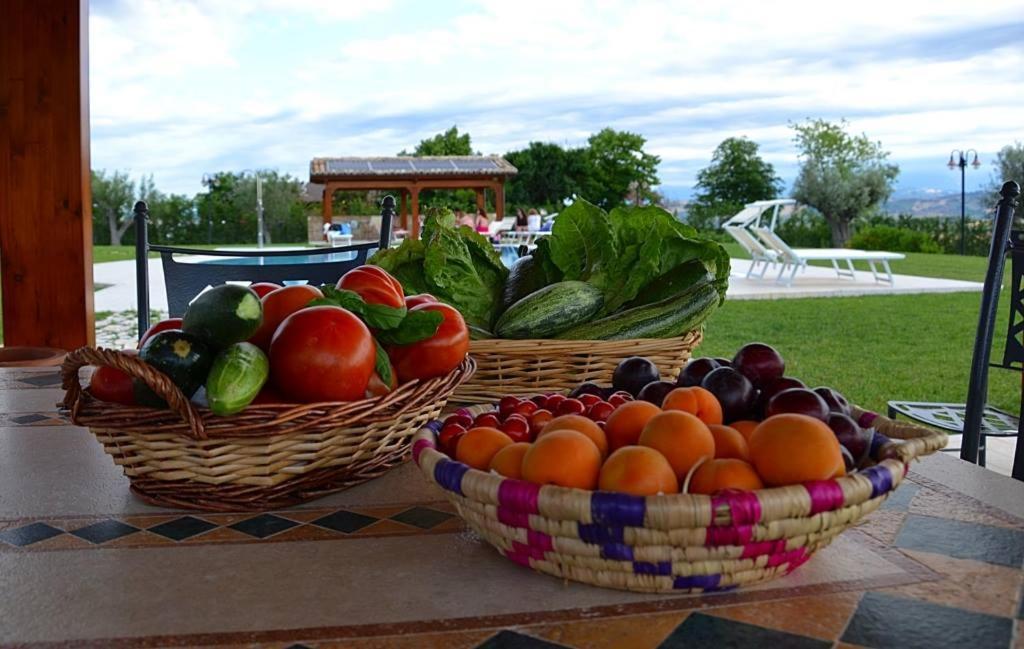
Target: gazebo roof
<point x="327" y="169"/>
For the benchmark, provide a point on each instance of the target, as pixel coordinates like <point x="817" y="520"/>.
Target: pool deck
<point x="815" y="281"/>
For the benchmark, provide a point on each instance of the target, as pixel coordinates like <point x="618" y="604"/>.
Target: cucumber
<point x="550" y="310"/>
<point x="665" y="319"/>
<point x="184" y="358"/>
<point x="224" y="315"/>
<point x="237" y="376"/>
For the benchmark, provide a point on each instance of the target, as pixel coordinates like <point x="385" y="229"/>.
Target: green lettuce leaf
<point x="581" y="241"/>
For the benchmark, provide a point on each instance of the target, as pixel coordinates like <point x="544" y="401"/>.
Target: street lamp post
<point x="958" y="158"/>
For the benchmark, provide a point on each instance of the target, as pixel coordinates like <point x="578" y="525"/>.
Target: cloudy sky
<point x="182" y="88"/>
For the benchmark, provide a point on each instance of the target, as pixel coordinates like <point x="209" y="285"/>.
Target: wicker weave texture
<point x="539" y="366"/>
<point x="673" y="542"/>
<point x="266" y="456"/>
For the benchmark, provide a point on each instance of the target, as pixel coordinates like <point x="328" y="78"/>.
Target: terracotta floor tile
<point x="454" y="524"/>
<point x="847" y="645"/>
<point x="630" y="632"/>
<point x="219" y="535"/>
<point x="62" y="542"/>
<point x="970" y="585"/>
<point x="306" y="533"/>
<point x="821" y="616"/>
<point x="144" y="522"/>
<point x="303" y="516"/>
<point x="387" y="527"/>
<point x="140" y="539"/>
<point x="929" y="502"/>
<point x="453" y="640"/>
<point x="381" y="512"/>
<point x="883" y="524"/>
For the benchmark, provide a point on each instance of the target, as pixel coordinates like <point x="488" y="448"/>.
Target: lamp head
<point x="975" y="163"/>
<point x="951" y="164"/>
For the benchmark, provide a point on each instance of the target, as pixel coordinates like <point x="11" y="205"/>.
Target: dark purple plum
<point x="633" y="373"/>
<point x="760" y="363"/>
<point x="847" y="460"/>
<point x="852" y="437"/>
<point x="774" y="387"/>
<point x="723" y="362"/>
<point x="800" y="401"/>
<point x="695" y="371"/>
<point x="587" y="388"/>
<point x="835" y="401"/>
<point x="655" y="391"/>
<point x="733" y="390"/>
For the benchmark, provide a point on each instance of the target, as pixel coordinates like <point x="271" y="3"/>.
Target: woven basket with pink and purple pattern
<point x="674" y="542"/>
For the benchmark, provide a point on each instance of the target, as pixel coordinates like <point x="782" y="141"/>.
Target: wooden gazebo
<point x="411" y="175"/>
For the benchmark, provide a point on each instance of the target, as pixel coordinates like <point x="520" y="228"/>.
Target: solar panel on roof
<point x="475" y="165"/>
<point x="390" y="165"/>
<point x="342" y="166"/>
<point x="433" y="165"/>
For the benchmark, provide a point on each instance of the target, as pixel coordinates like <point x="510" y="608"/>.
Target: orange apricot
<point x="696" y="401"/>
<point x="681" y="437"/>
<point x="580" y="424"/>
<point x="717" y="475"/>
<point x="639" y="471"/>
<point x="624" y="425"/>
<point x="563" y="457"/>
<point x="479" y="446"/>
<point x="789" y="448"/>
<point x="729" y="442"/>
<point x="509" y="460"/>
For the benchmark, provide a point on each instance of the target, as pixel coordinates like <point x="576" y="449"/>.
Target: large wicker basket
<point x="677" y="542"/>
<point x="524" y="367"/>
<point x="265" y="457"/>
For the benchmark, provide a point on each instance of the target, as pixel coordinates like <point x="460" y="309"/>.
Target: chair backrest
<point x="748" y="242"/>
<point x="185" y="280"/>
<point x="775" y="242"/>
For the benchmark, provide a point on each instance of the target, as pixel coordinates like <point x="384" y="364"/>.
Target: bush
<point x="887" y="237"/>
<point x="805" y="229"/>
<point x="943" y="231"/>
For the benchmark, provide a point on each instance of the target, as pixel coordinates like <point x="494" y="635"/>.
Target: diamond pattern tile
<point x="182" y="528"/>
<point x="885" y="621"/>
<point x="344" y="521"/>
<point x="963" y="540"/>
<point x="29" y="534"/>
<point x="700" y="630"/>
<point x="900" y="499"/>
<point x="104" y="531"/>
<point x="29" y="419"/>
<point x="42" y="380"/>
<point x="511" y="640"/>
<point x="263" y="525"/>
<point x="422" y="517"/>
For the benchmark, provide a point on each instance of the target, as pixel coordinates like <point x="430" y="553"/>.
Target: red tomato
<point x="268" y="395"/>
<point x="163" y="325"/>
<point x="418" y="299"/>
<point x="377" y="387"/>
<point x="262" y="288"/>
<point x="323" y="353"/>
<point x="435" y="356"/>
<point x="374" y="285"/>
<point x="111" y="384"/>
<point x="278" y="305"/>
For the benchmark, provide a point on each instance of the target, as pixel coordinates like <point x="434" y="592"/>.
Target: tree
<point x="843" y="176"/>
<point x="1010" y="163"/>
<point x="447" y="143"/>
<point x="227" y="210"/>
<point x="617" y="160"/>
<point x="736" y="176"/>
<point x="548" y="174"/>
<point x="113" y="197"/>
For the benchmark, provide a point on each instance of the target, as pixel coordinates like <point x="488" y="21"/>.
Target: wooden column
<point x="481" y="199"/>
<point x="499" y="199"/>
<point x="415" y="231"/>
<point x="45" y="198"/>
<point x="405" y="209"/>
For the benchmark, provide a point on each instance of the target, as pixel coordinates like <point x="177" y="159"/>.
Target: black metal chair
<point x="976" y="420"/>
<point x="184" y="280"/>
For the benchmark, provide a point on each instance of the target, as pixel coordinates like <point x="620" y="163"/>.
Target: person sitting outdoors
<point x="533" y="220"/>
<point x="522" y="223"/>
<point x="461" y="218"/>
<point x="483" y="223"/>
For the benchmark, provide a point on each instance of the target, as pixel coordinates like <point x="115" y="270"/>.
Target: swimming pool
<point x="508" y="257"/>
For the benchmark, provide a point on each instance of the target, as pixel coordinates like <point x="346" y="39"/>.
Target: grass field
<point x="875" y="348"/>
<point x="102" y="254"/>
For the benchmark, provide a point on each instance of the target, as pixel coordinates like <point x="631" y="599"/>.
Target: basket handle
<point x="134" y="366"/>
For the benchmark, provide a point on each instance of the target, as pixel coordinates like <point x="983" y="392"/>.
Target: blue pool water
<point x="508" y="257"/>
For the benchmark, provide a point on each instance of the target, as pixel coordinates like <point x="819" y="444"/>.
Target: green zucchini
<point x="224" y="315"/>
<point x="665" y="319"/>
<point x="672" y="283"/>
<point x="237" y="376"/>
<point x="184" y="358"/>
<point x="551" y="310"/>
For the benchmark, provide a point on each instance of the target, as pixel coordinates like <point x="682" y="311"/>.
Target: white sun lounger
<point x="758" y="253"/>
<point x="796" y="258"/>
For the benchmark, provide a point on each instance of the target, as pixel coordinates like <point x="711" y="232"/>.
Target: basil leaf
<point x="383" y="365"/>
<point x="376" y="316"/>
<point x="417" y="326"/>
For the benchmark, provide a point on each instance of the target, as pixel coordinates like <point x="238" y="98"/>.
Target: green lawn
<point x="875" y="348"/>
<point x="101" y="254"/>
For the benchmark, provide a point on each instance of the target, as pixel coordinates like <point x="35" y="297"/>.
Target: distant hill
<point x="978" y="204"/>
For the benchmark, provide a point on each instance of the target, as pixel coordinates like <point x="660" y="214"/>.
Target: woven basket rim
<point x="531" y="344"/>
<point x="263" y="420"/>
<point x="424" y="451"/>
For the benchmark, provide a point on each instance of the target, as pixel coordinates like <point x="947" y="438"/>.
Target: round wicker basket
<point x="267" y="456"/>
<point x="675" y="542"/>
<point x="525" y="367"/>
